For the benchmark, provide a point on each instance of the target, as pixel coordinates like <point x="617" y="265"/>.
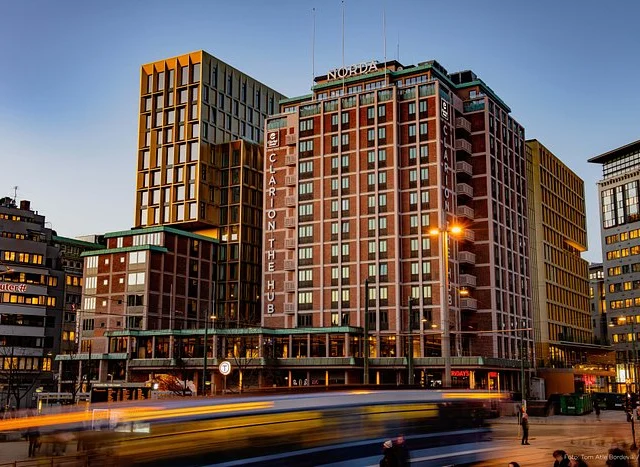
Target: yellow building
<point x="563" y="329"/>
<point x="200" y="166"/>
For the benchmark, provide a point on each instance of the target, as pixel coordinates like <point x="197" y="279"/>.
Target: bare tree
<point x="244" y="355"/>
<point x="175" y="381"/>
<point x="18" y="382"/>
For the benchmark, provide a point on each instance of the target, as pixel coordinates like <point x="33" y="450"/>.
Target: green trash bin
<point x="575" y="404"/>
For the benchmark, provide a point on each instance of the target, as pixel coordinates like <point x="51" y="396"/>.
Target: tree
<point x="176" y="382"/>
<point x="17" y="382"/>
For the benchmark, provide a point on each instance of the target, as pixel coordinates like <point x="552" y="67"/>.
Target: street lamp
<point x="444" y="298"/>
<point x="411" y="376"/>
<point x="365" y="352"/>
<point x="206" y="338"/>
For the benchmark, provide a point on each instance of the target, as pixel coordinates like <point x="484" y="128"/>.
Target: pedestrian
<point x="389" y="458"/>
<point x="33" y="436"/>
<point x="577" y="461"/>
<point x="401" y="452"/>
<point x="618" y="458"/>
<point x="525" y="427"/>
<point x="596" y="408"/>
<point x="513" y="464"/>
<point x="562" y="460"/>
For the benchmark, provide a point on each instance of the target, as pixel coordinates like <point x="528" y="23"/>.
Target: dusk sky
<point x="70" y="72"/>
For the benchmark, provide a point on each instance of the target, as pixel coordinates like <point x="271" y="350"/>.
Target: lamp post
<point x="522" y="380"/>
<point x="365" y="352"/>
<point x="206" y="338"/>
<point x="411" y="376"/>
<point x="444" y="299"/>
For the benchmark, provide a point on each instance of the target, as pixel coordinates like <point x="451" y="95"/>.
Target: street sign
<point x="225" y="368"/>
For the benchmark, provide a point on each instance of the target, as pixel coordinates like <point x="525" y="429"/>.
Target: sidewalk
<point x="606" y="417"/>
<point x="14" y="451"/>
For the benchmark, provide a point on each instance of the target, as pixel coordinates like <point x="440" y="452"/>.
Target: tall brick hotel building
<point x="411" y="179"/>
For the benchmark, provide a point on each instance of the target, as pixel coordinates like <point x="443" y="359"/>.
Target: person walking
<point x="596" y="408"/>
<point x="525" y="427"/>
<point x="33" y="436"/>
<point x="401" y="452"/>
<point x="389" y="458"/>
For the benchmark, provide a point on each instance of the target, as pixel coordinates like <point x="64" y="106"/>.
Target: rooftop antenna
<point x="343" y="83"/>
<point x="15" y="194"/>
<point x="313" y="50"/>
<point x="384" y="37"/>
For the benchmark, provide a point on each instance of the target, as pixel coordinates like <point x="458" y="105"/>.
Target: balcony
<point x="289" y="265"/>
<point x="290" y="180"/>
<point x="289" y="307"/>
<point x="291" y="139"/>
<point x="469" y="303"/>
<point x="290" y="222"/>
<point x="469" y="235"/>
<point x="462" y="211"/>
<point x="290" y="201"/>
<point x="290" y="159"/>
<point x="289" y="286"/>
<point x="462" y="145"/>
<point x="467" y="280"/>
<point x="467" y="257"/>
<point x="464" y="189"/>
<point x="290" y="243"/>
<point x="464" y="167"/>
<point x="464" y="124"/>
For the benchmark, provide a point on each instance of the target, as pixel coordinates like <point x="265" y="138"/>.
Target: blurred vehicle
<point x="300" y="429"/>
<point x="293" y="430"/>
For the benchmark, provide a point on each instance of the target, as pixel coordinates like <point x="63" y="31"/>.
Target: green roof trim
<point x="125" y="249"/>
<point x="293" y="100"/>
<point x="234" y="331"/>
<point x="74" y="241"/>
<point x="398" y="73"/>
<point x="161" y="228"/>
<point x="487" y="89"/>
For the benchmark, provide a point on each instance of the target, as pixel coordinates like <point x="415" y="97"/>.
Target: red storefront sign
<point x="460" y="373"/>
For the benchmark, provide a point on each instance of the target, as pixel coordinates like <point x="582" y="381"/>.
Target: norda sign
<point x="353" y="70"/>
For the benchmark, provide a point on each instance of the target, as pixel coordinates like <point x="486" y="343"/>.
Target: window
<point x="305" y="253"/>
<point x="371" y="113"/>
<point x="305" y="210"/>
<point x="345" y="118"/>
<point x="305" y="167"/>
<point x="412" y="130"/>
<point x="306" y="124"/>
<point x="423" y="129"/>
<point x="306" y="146"/>
<point x="412" y="108"/>
<point x="305" y="188"/>
<point x="305" y="275"/>
<point x="136" y="278"/>
<point x="137" y="257"/>
<point x="382" y="133"/>
<point x="382" y="110"/>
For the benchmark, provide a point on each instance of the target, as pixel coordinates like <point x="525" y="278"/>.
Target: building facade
<point x="31" y="302"/>
<point x="620" y="227"/>
<point x="71" y="250"/>
<point x="558" y="235"/>
<point x="199" y="165"/>
<point x="568" y="356"/>
<point x="410" y="178"/>
<point x="598" y="299"/>
<point x="145" y="281"/>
